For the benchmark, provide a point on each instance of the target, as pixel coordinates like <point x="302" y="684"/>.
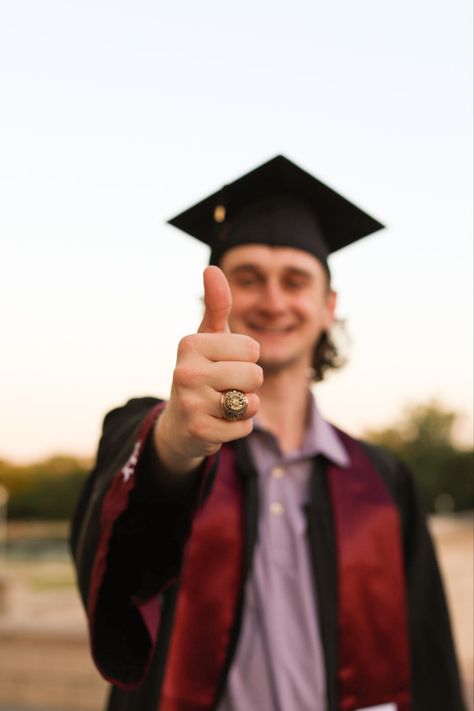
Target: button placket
<point x="279" y="525"/>
<point x="276" y="504"/>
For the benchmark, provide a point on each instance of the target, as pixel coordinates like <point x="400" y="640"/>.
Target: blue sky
<point x="115" y="115"/>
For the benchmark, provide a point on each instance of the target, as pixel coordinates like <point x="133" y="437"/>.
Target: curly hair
<point x="327" y="355"/>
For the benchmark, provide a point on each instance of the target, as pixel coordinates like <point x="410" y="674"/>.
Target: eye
<point x="295" y="283"/>
<point x="246" y="280"/>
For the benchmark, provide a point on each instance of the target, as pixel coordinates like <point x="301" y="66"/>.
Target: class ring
<point x="234" y="404"/>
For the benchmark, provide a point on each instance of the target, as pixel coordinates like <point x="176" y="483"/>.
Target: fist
<point x="208" y="362"/>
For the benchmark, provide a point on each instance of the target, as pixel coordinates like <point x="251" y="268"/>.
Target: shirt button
<point x="278" y="472"/>
<point x="277" y="508"/>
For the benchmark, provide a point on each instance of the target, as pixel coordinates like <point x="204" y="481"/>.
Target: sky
<point x="116" y="115"/>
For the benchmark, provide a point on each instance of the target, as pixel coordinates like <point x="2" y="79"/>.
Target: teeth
<point x="272" y="330"/>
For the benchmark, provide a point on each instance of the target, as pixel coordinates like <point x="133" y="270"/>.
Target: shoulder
<point x="390" y="467"/>
<point x="396" y="475"/>
<point x="393" y="469"/>
<point x="128" y="416"/>
<point x="400" y="482"/>
<point x="134" y="406"/>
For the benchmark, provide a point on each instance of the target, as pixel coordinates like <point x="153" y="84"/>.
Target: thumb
<point x="217" y="300"/>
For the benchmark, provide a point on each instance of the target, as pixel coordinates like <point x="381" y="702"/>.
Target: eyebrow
<point x="298" y="271"/>
<point x="243" y="268"/>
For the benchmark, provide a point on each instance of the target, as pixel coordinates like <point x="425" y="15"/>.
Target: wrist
<point x="171" y="456"/>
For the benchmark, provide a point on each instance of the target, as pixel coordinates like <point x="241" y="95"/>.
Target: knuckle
<point x="236" y="430"/>
<point x="188" y="405"/>
<point x="246" y="427"/>
<point x="186" y="344"/>
<point x="254" y="404"/>
<point x="186" y="376"/>
<point x="197" y="429"/>
<point x="253" y="349"/>
<point x="258" y="376"/>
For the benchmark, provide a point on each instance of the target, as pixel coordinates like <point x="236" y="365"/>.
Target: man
<point x="234" y="550"/>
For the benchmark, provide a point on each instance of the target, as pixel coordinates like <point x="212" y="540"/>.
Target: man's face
<point x="280" y="297"/>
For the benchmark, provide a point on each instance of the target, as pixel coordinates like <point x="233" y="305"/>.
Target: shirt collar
<point x="320" y="437"/>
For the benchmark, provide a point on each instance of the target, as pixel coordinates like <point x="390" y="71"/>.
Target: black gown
<point x="146" y="550"/>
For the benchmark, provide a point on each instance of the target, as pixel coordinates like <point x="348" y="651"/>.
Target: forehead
<point x="267" y="259"/>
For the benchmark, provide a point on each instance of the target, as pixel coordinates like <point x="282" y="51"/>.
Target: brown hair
<point x="327" y="352"/>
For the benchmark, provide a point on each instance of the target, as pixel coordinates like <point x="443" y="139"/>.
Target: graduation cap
<point x="278" y="204"/>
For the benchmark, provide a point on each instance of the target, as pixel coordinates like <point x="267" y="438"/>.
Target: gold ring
<point x="234" y="404"/>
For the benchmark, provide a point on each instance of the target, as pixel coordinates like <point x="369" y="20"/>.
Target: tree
<point x="424" y="439"/>
<point x="44" y="490"/>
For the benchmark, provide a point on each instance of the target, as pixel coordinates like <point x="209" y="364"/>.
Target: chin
<point x="277" y="365"/>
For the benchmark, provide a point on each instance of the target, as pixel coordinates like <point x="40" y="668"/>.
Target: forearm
<point x="130" y="534"/>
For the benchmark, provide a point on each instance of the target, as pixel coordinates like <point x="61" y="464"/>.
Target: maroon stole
<point x="210" y="588"/>
<point x="373" y="653"/>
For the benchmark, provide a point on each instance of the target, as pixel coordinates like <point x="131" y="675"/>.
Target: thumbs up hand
<point x="208" y="362"/>
<point x="217" y="300"/>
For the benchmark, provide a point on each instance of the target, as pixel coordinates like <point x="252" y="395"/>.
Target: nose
<point x="272" y="299"/>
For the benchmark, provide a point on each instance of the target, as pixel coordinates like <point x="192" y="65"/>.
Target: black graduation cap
<point x="278" y="204"/>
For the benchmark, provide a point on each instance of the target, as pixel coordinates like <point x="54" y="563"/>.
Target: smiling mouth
<point x="272" y="330"/>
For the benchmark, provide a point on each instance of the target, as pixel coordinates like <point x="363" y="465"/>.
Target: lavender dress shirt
<point x="279" y="663"/>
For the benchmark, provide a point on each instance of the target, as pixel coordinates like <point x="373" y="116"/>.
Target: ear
<point x="330" y="309"/>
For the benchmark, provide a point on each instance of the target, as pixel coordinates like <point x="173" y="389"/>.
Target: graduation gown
<point x="138" y="550"/>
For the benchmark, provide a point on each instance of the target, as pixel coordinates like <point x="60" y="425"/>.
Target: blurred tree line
<point x="423" y="438"/>
<point x="46" y="490"/>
